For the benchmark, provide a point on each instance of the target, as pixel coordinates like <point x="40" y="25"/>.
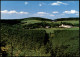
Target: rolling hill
<point x="32" y="20"/>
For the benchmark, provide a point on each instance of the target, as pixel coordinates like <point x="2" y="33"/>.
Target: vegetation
<point x="65" y="43"/>
<point x="33" y="39"/>
<point x="65" y="19"/>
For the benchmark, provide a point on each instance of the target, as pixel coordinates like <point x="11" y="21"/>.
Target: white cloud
<point x="58" y="3"/>
<point x="13" y="12"/>
<point x="23" y="12"/>
<point x="4" y="11"/>
<point x="8" y="12"/>
<point x="40" y="4"/>
<point x="25" y="3"/>
<point x="71" y="12"/>
<point x="55" y="12"/>
<point x="42" y="13"/>
<point x="55" y="4"/>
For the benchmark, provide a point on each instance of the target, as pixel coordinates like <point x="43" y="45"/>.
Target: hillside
<point x="66" y="19"/>
<point x="35" y="20"/>
<point x="24" y="20"/>
<point x="32" y="37"/>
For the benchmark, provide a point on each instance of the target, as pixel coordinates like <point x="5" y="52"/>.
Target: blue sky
<point x="45" y="9"/>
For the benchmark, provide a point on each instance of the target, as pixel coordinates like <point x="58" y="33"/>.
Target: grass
<point x="31" y="21"/>
<point x="74" y="28"/>
<point x="51" y="30"/>
<point x="66" y="42"/>
<point x="72" y="21"/>
<point x="34" y="21"/>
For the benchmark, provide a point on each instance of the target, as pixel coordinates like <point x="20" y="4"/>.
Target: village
<point x="48" y="26"/>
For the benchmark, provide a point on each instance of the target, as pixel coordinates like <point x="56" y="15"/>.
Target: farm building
<point x="47" y="26"/>
<point x="65" y="26"/>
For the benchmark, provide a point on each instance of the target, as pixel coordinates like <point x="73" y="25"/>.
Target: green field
<point x="31" y="21"/>
<point x="51" y="30"/>
<point x="37" y="21"/>
<point x="70" y="21"/>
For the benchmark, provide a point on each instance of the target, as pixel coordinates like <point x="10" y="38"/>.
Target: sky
<point x="44" y="9"/>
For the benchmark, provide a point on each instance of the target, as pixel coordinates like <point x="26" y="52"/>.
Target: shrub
<point x="65" y="43"/>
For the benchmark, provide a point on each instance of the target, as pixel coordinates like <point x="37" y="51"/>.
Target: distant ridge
<point x="64" y="19"/>
<point x="37" y="18"/>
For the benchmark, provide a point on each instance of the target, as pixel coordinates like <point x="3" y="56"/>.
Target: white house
<point x="65" y="26"/>
<point x="47" y="26"/>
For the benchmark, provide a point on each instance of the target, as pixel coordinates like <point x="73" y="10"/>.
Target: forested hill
<point x="11" y="21"/>
<point x="66" y="19"/>
<point x="37" y="18"/>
